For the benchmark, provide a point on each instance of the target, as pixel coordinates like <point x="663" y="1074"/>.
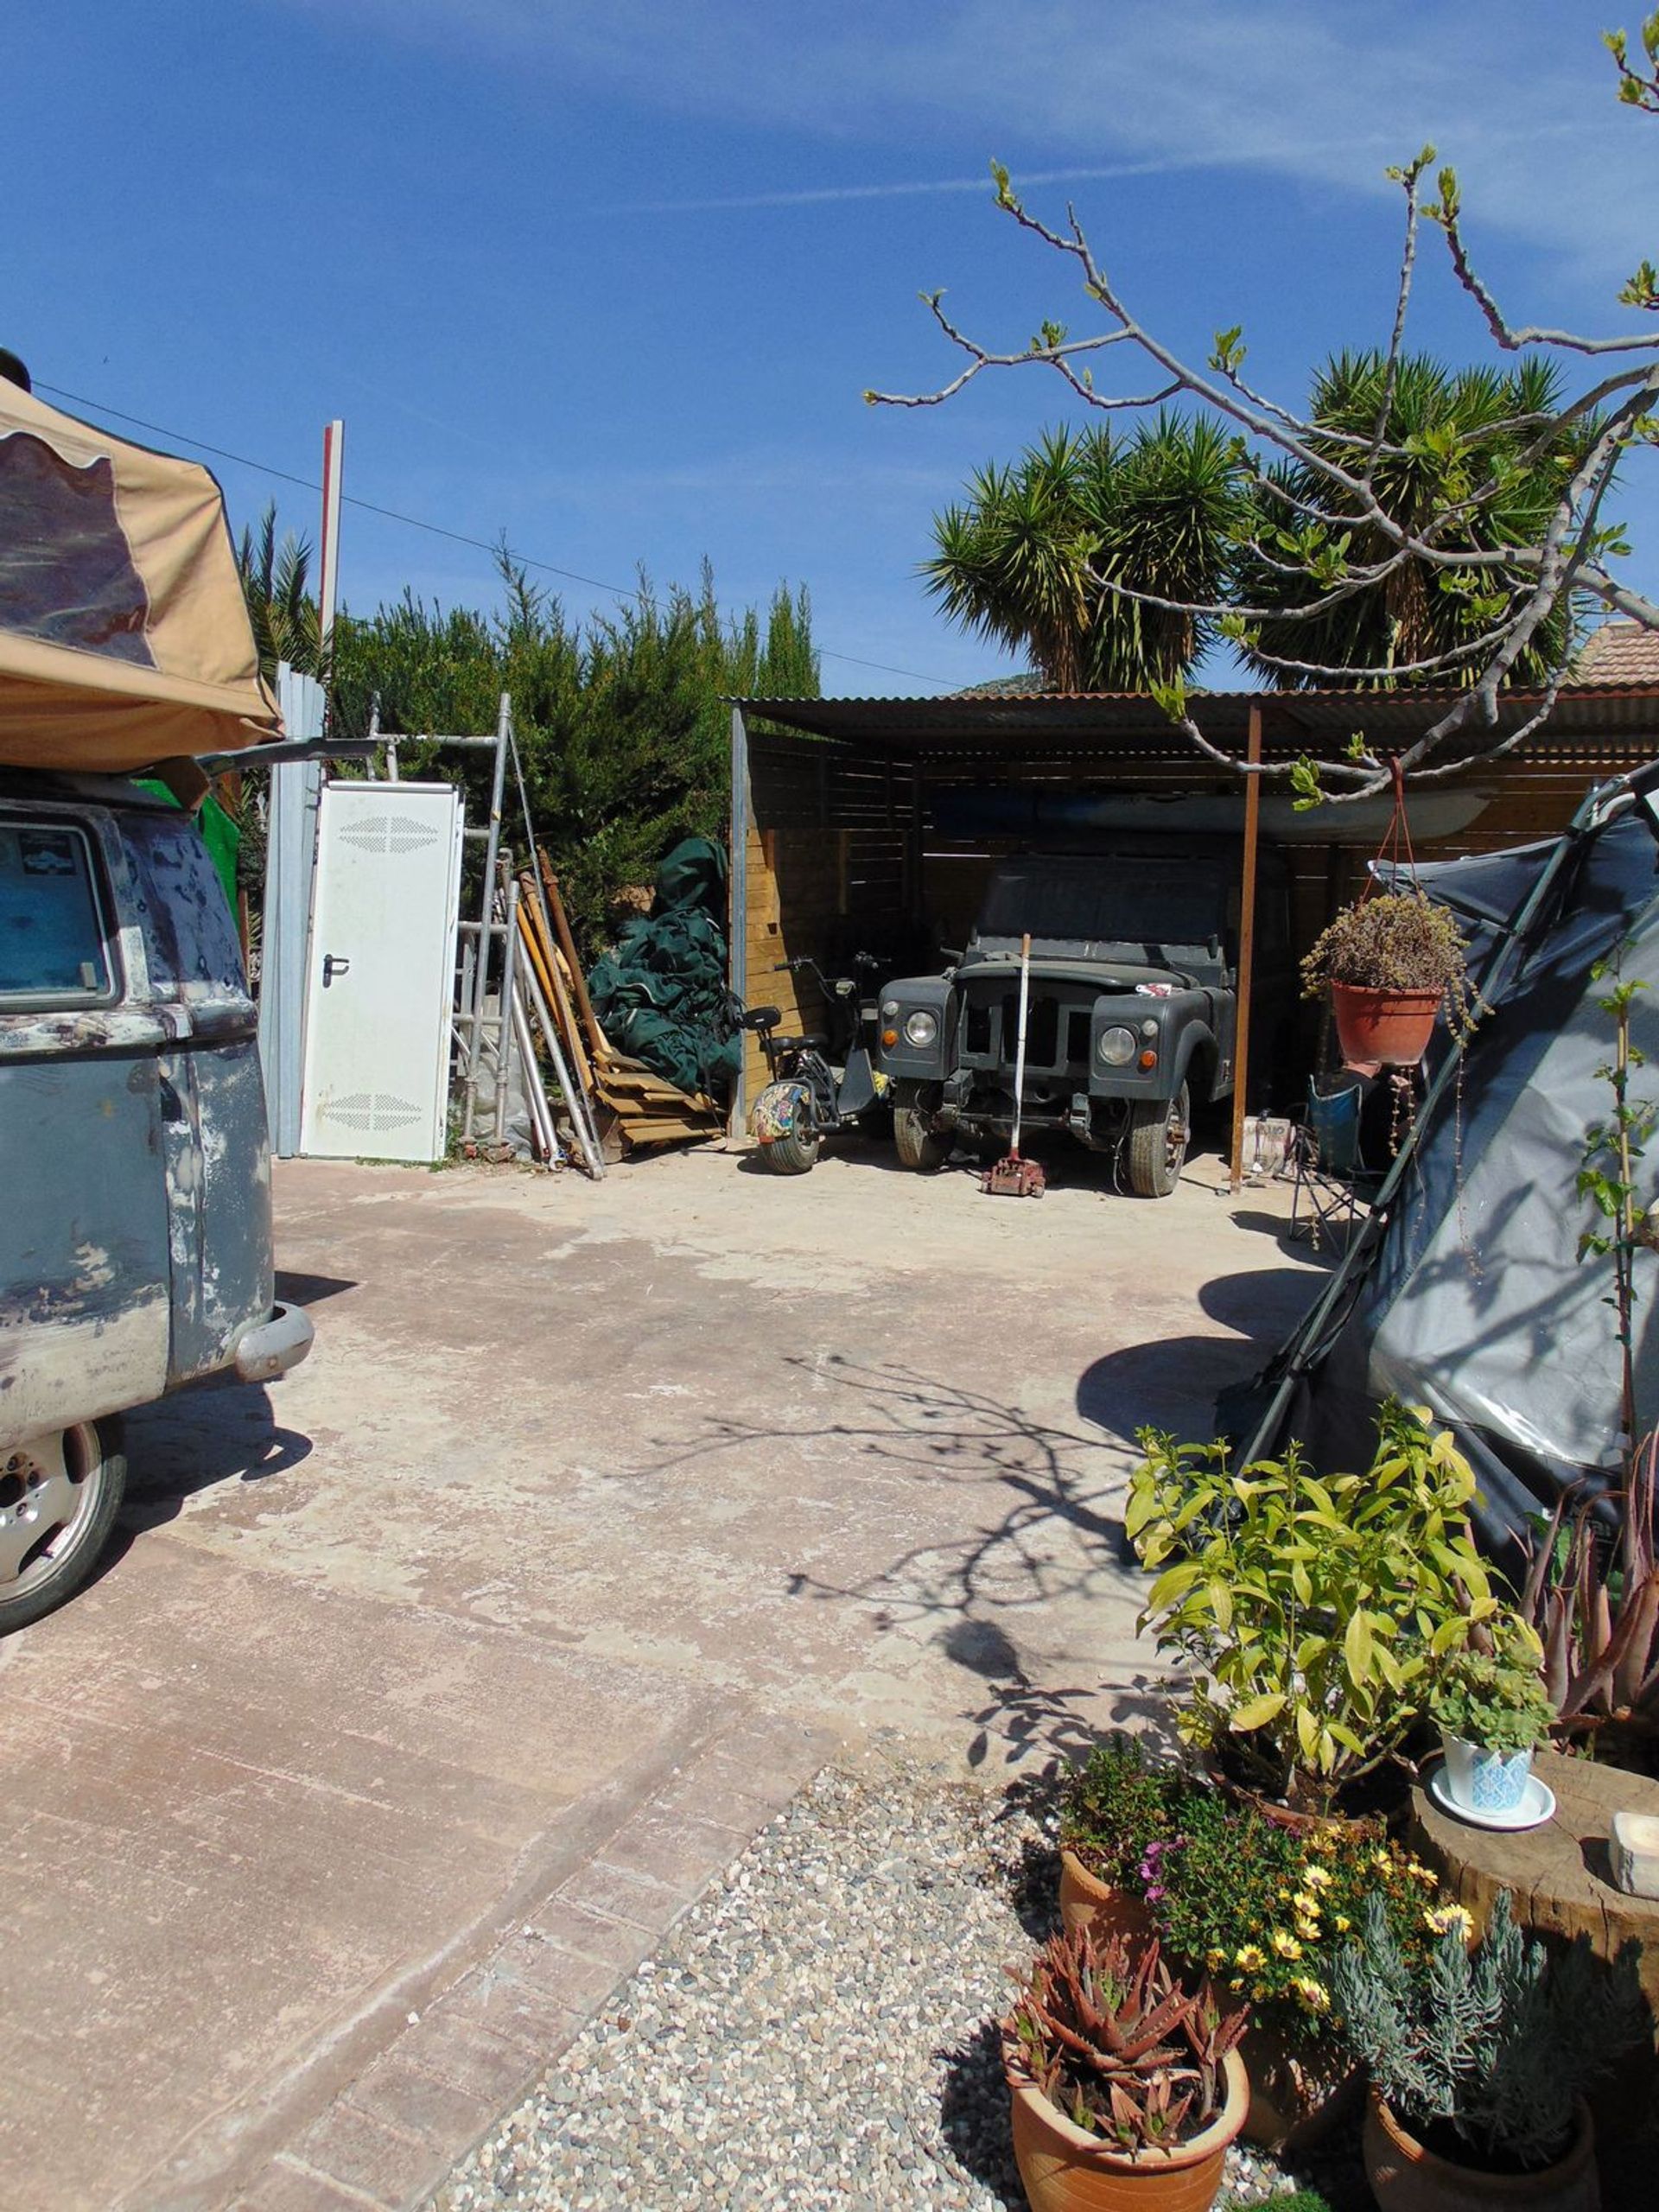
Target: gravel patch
<point x="819" y="2031"/>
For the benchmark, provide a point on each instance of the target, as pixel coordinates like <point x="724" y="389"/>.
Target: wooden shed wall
<point x="839" y="850"/>
<point x="831" y="863"/>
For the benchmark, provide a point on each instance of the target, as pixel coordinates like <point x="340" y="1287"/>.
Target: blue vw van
<point x="134" y="1175"/>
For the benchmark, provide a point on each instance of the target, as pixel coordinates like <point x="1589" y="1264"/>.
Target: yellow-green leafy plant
<point x="1310" y="1610"/>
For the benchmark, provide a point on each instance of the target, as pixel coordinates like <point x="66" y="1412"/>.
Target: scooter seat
<point x="814" y="1044"/>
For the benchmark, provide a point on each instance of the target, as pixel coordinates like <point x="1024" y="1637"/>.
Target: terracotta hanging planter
<point x="1064" y="2169"/>
<point x="1392" y="1027"/>
<point x="1087" y="1902"/>
<point x="1407" y="2177"/>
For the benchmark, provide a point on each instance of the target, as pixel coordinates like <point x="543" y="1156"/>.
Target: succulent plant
<point x="1118" y="2045"/>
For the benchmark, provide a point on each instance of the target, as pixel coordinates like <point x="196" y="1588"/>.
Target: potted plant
<point x="1390" y="962"/>
<point x="1493" y="1711"/>
<point x="1126" y="2086"/>
<point x="1479" y="2062"/>
<point x="1308" y="1610"/>
<point x="1264" y="1910"/>
<point x="1118" y="1815"/>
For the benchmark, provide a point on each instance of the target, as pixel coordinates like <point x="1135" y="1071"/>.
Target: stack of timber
<point x="635" y="1108"/>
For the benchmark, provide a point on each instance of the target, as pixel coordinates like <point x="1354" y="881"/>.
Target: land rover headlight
<point x="921" y="1028"/>
<point x="889" y="1009"/>
<point x="1117" y="1047"/>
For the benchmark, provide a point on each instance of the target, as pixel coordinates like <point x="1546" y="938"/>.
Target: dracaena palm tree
<point x="1024" y="558"/>
<point x="1449" y="434"/>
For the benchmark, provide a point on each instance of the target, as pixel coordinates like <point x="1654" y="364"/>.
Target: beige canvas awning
<point x="123" y="634"/>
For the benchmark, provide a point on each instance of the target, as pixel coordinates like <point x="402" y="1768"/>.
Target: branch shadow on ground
<point x="1053" y="1535"/>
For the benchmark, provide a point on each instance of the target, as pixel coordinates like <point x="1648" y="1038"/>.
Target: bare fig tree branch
<point x="1344" y="537"/>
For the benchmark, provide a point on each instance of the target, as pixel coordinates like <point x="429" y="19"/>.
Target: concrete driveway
<point x="425" y="1690"/>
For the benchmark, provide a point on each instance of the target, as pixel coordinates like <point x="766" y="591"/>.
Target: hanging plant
<point x="1391" y="961"/>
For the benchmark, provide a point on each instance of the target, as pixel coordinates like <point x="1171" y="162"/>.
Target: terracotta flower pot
<point x="1064" y="2169"/>
<point x="1095" y="1905"/>
<point x="1404" y="2177"/>
<point x="1393" y="1026"/>
<point x="1299" y="2093"/>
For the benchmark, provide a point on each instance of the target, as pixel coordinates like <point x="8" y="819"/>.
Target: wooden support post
<point x="1246" y="942"/>
<point x="737" y="918"/>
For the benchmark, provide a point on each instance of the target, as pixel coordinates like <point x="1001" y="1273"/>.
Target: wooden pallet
<point x="645" y="1109"/>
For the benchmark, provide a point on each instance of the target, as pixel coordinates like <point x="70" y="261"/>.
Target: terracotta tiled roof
<point x="1620" y="653"/>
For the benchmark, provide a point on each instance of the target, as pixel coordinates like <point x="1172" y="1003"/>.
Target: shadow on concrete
<point x="1153" y="1385"/>
<point x="961" y="1592"/>
<point x="1322" y="1255"/>
<point x="309" y="1290"/>
<point x="219" y="1431"/>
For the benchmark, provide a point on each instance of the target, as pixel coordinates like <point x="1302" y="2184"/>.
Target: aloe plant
<point x="1594" y="1602"/>
<point x="1118" y="2045"/>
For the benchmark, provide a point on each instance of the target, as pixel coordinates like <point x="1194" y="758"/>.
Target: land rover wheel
<point x="918" y="1144"/>
<point x="59" y="1499"/>
<point x="1159" y="1134"/>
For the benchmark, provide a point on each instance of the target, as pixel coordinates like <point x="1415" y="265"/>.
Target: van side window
<point x="51" y="943"/>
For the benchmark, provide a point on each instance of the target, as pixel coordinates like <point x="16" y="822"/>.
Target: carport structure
<point x="874" y="823"/>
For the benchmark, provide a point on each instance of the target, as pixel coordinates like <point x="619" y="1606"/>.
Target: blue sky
<point x="611" y="278"/>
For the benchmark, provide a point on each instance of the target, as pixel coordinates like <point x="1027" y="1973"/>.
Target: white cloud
<point x="1518" y="93"/>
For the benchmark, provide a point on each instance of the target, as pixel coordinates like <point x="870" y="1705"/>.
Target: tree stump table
<point x="1560" y="1880"/>
<point x="1558" y="1875"/>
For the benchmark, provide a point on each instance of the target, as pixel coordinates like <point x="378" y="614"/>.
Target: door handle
<point x="332" y="965"/>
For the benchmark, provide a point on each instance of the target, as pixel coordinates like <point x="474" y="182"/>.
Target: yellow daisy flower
<point x="1251" y="1959"/>
<point x="1317" y="1877"/>
<point x="1450" y="1919"/>
<point x="1341" y="1923"/>
<point x="1285" y="1944"/>
<point x="1311" y="1994"/>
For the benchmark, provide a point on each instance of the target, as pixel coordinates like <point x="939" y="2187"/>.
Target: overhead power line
<point x="433" y="529"/>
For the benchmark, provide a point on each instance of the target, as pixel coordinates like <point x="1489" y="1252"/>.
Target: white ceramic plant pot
<point x="1479" y="1781"/>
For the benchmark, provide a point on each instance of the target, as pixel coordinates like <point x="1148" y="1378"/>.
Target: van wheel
<point x="918" y="1144"/>
<point x="1159" y="1134"/>
<point x="59" y="1499"/>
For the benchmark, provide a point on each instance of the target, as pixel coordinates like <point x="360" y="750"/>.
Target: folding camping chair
<point x="1325" y="1162"/>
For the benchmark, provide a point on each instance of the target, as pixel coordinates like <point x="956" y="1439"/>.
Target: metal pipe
<point x="503" y="732"/>
<point x="541" y="1113"/>
<point x="575" y="1097"/>
<point x="1020" y="1042"/>
<point x="586" y="1139"/>
<point x="504" y="1025"/>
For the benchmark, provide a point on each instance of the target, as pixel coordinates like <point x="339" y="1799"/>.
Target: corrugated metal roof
<point x="1131" y="723"/>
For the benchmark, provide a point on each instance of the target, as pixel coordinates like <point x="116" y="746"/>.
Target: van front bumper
<point x="268" y="1349"/>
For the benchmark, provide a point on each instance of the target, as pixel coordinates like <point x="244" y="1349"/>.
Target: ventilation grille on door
<point x="372" y="1113"/>
<point x="388" y="833"/>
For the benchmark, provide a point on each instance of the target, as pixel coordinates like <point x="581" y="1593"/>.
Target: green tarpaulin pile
<point x="660" y="992"/>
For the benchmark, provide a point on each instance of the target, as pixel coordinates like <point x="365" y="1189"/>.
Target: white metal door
<point x="382" y="971"/>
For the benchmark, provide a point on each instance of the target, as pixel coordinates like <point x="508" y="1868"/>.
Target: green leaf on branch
<point x="1306" y="790"/>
